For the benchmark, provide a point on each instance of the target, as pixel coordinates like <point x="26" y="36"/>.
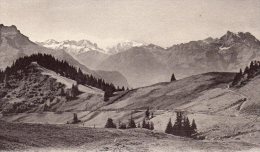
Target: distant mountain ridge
<point x="123" y="46"/>
<point x="137" y="61"/>
<point x="225" y="54"/>
<point x="84" y="51"/>
<point x="71" y="46"/>
<point x="13" y="44"/>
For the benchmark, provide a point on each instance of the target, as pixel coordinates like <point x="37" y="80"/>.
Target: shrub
<point x="110" y="123"/>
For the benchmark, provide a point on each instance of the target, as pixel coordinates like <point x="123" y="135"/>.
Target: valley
<point x="48" y="87"/>
<point x="222" y="114"/>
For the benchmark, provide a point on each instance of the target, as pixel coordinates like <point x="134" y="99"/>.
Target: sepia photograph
<point x="129" y="75"/>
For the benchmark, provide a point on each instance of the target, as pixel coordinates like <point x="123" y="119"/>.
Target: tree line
<point x="242" y="77"/>
<point x="61" y="67"/>
<point x="146" y="124"/>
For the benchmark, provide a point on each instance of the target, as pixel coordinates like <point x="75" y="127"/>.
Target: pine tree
<point x="168" y="129"/>
<point x="147" y="113"/>
<point x="106" y="96"/>
<point x="177" y="127"/>
<point x="131" y="123"/>
<point x="6" y="83"/>
<point x="193" y="127"/>
<point x="187" y="127"/>
<point x="110" y="123"/>
<point x="246" y="71"/>
<point x="237" y="77"/>
<point x="173" y="78"/>
<point x="75" y="118"/>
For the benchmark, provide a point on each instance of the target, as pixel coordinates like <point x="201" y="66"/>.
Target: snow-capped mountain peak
<point x="123" y="46"/>
<point x="50" y="41"/>
<point x="71" y="46"/>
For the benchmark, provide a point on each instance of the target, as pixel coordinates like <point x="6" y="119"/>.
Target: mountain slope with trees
<point x="13" y="45"/>
<point x="28" y="84"/>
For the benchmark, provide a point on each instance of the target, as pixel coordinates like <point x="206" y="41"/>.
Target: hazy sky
<point x="163" y="22"/>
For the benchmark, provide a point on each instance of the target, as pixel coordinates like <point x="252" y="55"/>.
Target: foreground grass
<point x="39" y="137"/>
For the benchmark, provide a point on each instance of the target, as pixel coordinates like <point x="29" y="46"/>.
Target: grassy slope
<point x="36" y="137"/>
<point x="206" y="98"/>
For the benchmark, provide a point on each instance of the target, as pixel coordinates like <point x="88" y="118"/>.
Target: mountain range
<point x="138" y="61"/>
<point x="13" y="44"/>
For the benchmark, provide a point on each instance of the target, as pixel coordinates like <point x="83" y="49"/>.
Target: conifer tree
<point x="168" y="129"/>
<point x="147" y="113"/>
<point x="237" y="77"/>
<point x="173" y="78"/>
<point x="75" y="118"/>
<point x="187" y="127"/>
<point x="110" y="123"/>
<point x="177" y="127"/>
<point x="131" y="123"/>
<point x="193" y="127"/>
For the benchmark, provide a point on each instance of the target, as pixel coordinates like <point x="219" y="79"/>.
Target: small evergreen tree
<point x="147" y="113"/>
<point x="193" y="127"/>
<point x="75" y="118"/>
<point x="106" y="96"/>
<point x="110" y="123"/>
<point x="168" y="129"/>
<point x="74" y="90"/>
<point x="173" y="78"/>
<point x="187" y="127"/>
<point x="131" y="123"/>
<point x="237" y="78"/>
<point x="177" y="127"/>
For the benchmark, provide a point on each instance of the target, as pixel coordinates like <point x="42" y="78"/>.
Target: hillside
<point x="13" y="44"/>
<point x="221" y="113"/>
<point x="141" y="65"/>
<point x="36" y="137"/>
<point x="225" y="54"/>
<point x="36" y="89"/>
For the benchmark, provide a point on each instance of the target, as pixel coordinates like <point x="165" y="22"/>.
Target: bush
<point x="110" y="123"/>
